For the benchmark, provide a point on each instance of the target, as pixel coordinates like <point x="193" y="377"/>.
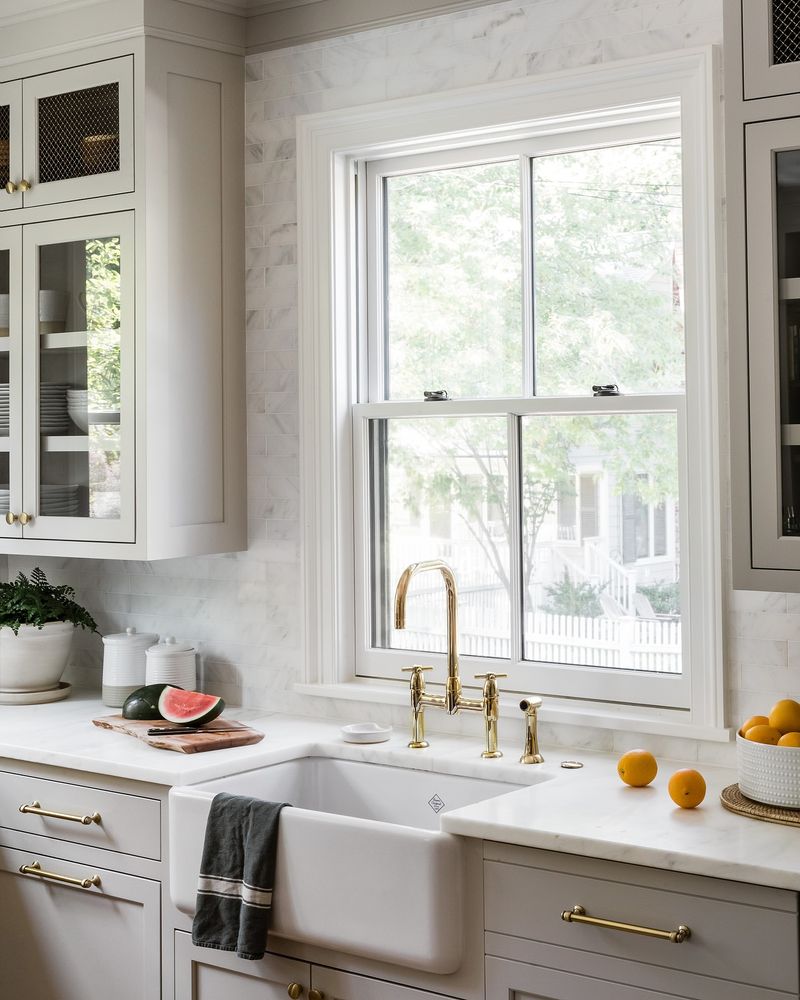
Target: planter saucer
<point x="36" y="697"/>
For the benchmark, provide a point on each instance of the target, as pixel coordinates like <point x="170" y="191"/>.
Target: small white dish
<point x="366" y="732"/>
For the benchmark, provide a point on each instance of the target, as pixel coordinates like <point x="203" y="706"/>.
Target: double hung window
<point x="517" y="278"/>
<point x="516" y="246"/>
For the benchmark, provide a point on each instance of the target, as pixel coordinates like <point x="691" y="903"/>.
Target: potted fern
<point x="37" y="623"/>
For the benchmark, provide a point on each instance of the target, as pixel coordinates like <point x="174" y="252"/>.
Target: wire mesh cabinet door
<point x="771" y="37"/>
<point x="10" y="145"/>
<point x="78" y="133"/>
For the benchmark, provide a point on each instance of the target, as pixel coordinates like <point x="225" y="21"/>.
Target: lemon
<point x="785" y="716"/>
<point x="637" y="768"/>
<point x="763" y="734"/>
<point x="789" y="740"/>
<point x="754" y="720"/>
<point x="687" y="788"/>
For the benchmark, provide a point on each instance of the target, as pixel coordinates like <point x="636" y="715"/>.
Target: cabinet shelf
<point x="63" y="341"/>
<point x="75" y="443"/>
<point x="789" y="289"/>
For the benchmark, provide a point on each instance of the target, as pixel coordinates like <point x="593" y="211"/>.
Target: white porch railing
<point x="629" y="643"/>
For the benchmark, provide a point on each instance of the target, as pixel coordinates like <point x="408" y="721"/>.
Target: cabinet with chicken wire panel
<point x="67" y="135"/>
<point x="771" y="37"/>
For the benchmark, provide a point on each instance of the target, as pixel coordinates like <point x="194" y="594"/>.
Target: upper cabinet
<point x="771" y="47"/>
<point x="67" y="135"/>
<point x="122" y="424"/>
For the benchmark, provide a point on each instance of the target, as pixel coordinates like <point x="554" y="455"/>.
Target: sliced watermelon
<point x="189" y="707"/>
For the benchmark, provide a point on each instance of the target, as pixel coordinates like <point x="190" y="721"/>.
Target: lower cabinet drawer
<point x="116" y="821"/>
<point x="744" y="943"/>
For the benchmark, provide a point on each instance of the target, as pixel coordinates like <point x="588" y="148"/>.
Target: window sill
<point x="655" y="722"/>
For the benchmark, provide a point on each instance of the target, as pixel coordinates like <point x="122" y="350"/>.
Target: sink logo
<point x="436" y="803"/>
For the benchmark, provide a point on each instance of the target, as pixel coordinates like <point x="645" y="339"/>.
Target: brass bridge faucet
<point x="452" y="701"/>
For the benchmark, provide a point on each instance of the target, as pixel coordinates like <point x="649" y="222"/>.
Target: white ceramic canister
<point x="172" y="662"/>
<point x="124" y="664"/>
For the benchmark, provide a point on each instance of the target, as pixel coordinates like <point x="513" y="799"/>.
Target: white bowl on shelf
<point x="769" y="774"/>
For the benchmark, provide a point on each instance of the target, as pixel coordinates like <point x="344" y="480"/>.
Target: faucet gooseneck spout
<point x="453" y="700"/>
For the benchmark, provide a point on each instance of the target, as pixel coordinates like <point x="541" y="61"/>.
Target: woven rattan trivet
<point x="733" y="800"/>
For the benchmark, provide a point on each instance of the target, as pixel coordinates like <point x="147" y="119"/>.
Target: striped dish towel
<point x="237" y="875"/>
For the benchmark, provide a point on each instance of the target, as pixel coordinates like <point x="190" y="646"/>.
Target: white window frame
<point x="330" y="147"/>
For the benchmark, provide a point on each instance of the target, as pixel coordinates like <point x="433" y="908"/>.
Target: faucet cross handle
<point x="409" y="670"/>
<point x="481" y="677"/>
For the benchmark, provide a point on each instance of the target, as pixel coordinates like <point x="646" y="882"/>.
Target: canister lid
<point x="170" y="646"/>
<point x="131" y="637"/>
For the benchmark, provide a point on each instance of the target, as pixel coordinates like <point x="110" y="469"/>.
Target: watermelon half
<point x="189" y="707"/>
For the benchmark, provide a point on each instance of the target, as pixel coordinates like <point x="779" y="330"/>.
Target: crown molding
<point x="268" y="24"/>
<point x="292" y="22"/>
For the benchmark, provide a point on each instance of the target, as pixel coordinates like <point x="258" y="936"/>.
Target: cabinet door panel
<point x="62" y="941"/>
<point x="515" y="981"/>
<point x="207" y="974"/>
<point x="79" y="132"/>
<point x="771" y="33"/>
<point x="10" y="144"/>
<point x="79" y="373"/>
<point x="772" y="152"/>
<point x="10" y="379"/>
<point x="335" y="985"/>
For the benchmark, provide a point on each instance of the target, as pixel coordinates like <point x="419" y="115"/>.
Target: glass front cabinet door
<point x="772" y="155"/>
<point x="10" y="380"/>
<point x="78" y="357"/>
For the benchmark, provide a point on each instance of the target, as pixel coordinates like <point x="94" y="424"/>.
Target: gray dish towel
<point x="237" y="875"/>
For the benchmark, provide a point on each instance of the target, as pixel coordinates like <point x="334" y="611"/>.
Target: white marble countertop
<point x="586" y="811"/>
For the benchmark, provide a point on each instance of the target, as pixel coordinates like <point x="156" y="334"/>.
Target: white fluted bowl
<point x="769" y="774"/>
<point x="35" y="658"/>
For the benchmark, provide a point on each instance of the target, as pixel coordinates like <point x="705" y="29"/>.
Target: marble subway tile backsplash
<point x="245" y="608"/>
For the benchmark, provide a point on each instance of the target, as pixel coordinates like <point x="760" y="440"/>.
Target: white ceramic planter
<point x="35" y="659"/>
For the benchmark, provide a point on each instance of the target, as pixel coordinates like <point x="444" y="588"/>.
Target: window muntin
<point x="663" y="369"/>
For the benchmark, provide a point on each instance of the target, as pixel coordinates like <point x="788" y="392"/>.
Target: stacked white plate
<point x="53" y="418"/>
<point x="5" y="499"/>
<point x="4" y="409"/>
<point x="78" y="408"/>
<point x="59" y="501"/>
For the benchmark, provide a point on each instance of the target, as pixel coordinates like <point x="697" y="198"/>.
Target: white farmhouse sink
<point x="362" y="866"/>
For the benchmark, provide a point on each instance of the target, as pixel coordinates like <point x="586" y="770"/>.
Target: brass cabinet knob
<point x="11" y="187"/>
<point x="25" y="518"/>
<point x="315" y="995"/>
<point x="24" y="185"/>
<point x="11" y="518"/>
<point x="295" y="990"/>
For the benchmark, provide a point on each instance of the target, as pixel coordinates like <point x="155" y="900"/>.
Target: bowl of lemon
<point x="768" y="755"/>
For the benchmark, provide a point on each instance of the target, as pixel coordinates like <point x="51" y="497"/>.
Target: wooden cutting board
<point x="189" y="743"/>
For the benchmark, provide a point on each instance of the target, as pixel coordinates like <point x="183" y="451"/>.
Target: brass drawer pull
<point x="34" y="868"/>
<point x="35" y="808"/>
<point x="577" y="915"/>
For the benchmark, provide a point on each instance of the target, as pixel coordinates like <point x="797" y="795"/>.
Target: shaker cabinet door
<point x="771" y="49"/>
<point x="78" y="133"/>
<point x="59" y="940"/>
<point x="506" y="980"/>
<point x="10" y="379"/>
<point x="10" y="145"/>
<point x="79" y="413"/>
<point x="207" y="974"/>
